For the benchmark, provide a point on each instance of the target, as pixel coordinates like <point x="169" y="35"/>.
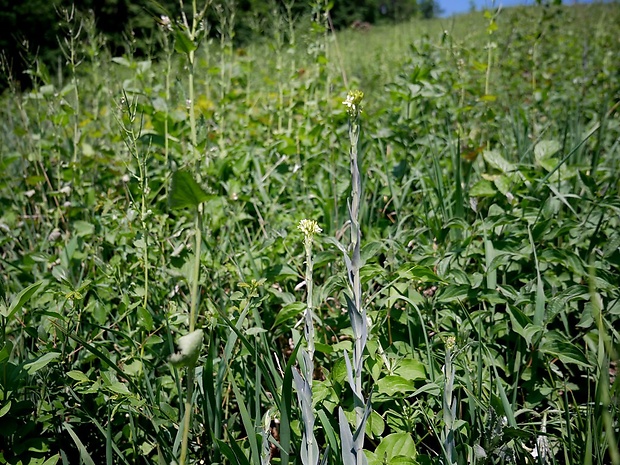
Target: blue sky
<point x="451" y="7"/>
<point x="463" y="6"/>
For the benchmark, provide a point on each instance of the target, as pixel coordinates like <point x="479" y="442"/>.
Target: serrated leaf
<point x="185" y="191"/>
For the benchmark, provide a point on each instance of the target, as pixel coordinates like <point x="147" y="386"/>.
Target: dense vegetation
<point x="162" y="301"/>
<point x="130" y="26"/>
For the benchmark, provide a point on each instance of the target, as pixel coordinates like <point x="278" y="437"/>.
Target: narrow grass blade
<point x="233" y="452"/>
<point x="248" y="424"/>
<point x="502" y="394"/>
<point x="285" y="406"/>
<point x="23" y="297"/>
<point x="329" y="432"/>
<point x="84" y="455"/>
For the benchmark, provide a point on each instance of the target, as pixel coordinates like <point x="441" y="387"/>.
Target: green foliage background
<point x="30" y="29"/>
<point x="490" y="221"/>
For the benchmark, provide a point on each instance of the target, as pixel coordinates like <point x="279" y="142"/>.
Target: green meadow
<point x="396" y="244"/>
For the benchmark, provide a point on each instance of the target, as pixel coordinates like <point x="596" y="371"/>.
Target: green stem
<point x="309" y="322"/>
<point x="187" y="414"/>
<point x="355" y="261"/>
<point x="192" y="116"/>
<point x="192" y="323"/>
<point x="196" y="270"/>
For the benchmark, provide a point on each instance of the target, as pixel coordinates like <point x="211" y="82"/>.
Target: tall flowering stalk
<point x="303" y="381"/>
<point x="353" y="441"/>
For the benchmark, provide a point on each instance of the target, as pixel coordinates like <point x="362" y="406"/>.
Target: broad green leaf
<point x="555" y="345"/>
<point x="255" y="331"/>
<point x="119" y="388"/>
<point x="410" y="369"/>
<point x="41" y="362"/>
<point x="529" y="332"/>
<point x="497" y="161"/>
<point x="420" y="273"/>
<point x="83" y="228"/>
<point x="183" y="43"/>
<point x="5" y="408"/>
<point x="185" y="191"/>
<point x="289" y="313"/>
<point x="452" y="293"/>
<point x="392" y="385"/>
<point x="482" y="188"/>
<point x="145" y="318"/>
<point x="504" y="183"/>
<point x="23" y="297"/>
<point x="375" y="425"/>
<point x="395" y="445"/>
<point x="122" y="61"/>
<point x="339" y="371"/>
<point x="544" y="151"/>
<point x="78" y="376"/>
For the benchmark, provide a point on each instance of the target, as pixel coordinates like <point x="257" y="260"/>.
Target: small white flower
<point x="166" y="23"/>
<point x="309" y="228"/>
<point x="353" y="102"/>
